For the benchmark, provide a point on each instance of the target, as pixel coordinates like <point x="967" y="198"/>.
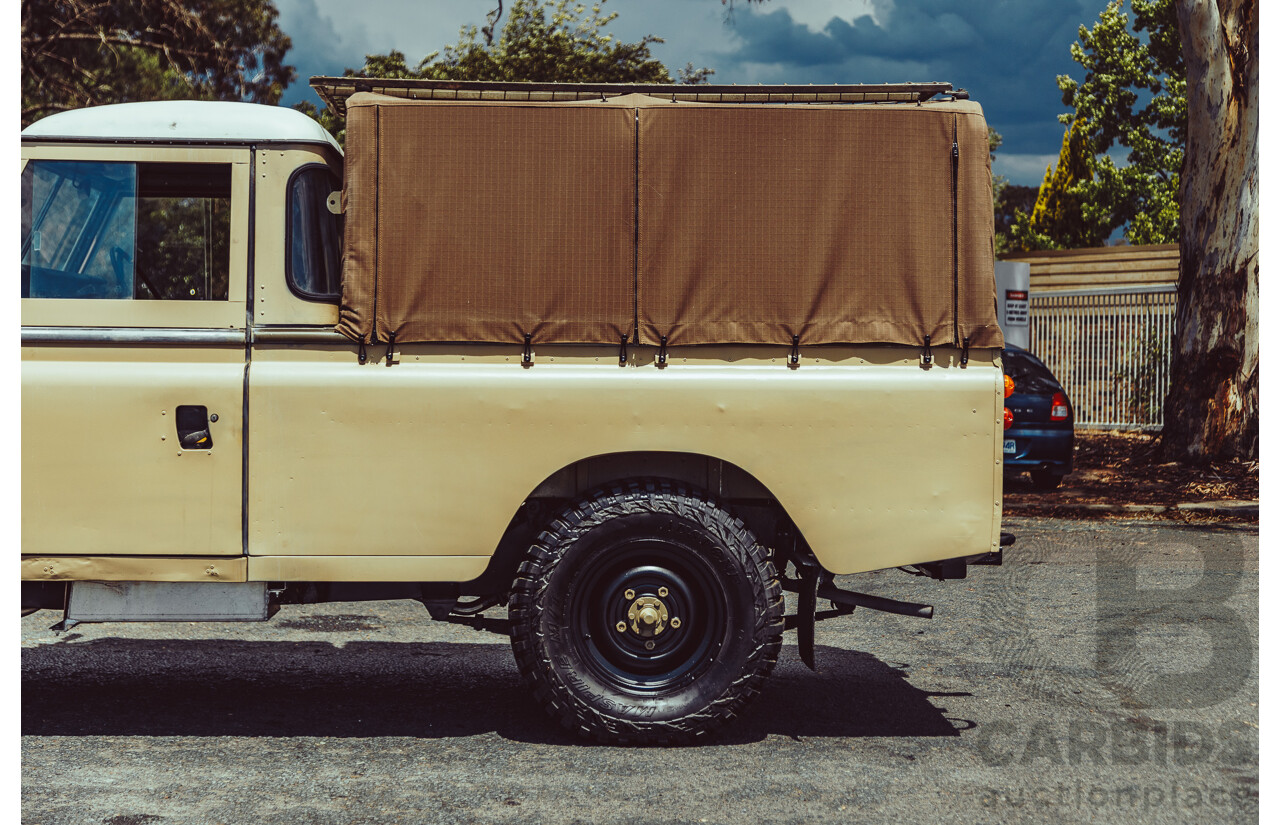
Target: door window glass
<point x="120" y="230"/>
<point x="78" y="229"/>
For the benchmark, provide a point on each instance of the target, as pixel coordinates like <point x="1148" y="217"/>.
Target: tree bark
<point x="1211" y="412"/>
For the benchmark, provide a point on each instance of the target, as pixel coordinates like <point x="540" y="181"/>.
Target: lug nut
<point x="630" y="594"/>
<point x="675" y="622"/>
<point x="622" y="627"/>
<point x="662" y="591"/>
<point x="648" y="645"/>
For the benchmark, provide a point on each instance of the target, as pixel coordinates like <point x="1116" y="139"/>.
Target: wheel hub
<point x="652" y="616"/>
<point x="648" y="616"/>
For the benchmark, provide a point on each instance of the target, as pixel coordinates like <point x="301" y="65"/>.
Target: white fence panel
<point x="1110" y="348"/>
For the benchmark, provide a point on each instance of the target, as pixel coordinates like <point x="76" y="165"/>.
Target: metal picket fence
<point x="1110" y="348"/>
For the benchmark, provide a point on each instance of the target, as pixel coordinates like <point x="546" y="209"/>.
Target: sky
<point x="1007" y="53"/>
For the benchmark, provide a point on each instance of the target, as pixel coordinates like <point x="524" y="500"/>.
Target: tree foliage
<point x="542" y="41"/>
<point x="1133" y="97"/>
<point x="1061" y="217"/>
<point x="88" y="52"/>
<point x="1011" y="201"/>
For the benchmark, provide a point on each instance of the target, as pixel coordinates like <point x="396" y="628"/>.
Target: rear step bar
<point x="849" y="599"/>
<point x="812" y="585"/>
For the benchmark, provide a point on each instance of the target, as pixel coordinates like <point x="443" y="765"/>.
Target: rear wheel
<point x="646" y="613"/>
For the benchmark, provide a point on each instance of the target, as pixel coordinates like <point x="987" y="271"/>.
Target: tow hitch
<point x="811" y="584"/>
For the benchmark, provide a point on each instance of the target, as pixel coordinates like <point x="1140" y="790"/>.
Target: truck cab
<point x="144" y="226"/>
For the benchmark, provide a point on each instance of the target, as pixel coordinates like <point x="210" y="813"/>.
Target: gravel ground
<point x="1102" y="674"/>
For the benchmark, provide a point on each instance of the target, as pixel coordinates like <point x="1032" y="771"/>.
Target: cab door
<point x="134" y="276"/>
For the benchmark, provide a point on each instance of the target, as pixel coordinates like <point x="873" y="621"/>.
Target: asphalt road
<point x="1108" y="672"/>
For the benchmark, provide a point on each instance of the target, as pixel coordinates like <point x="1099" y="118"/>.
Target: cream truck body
<point x="433" y="463"/>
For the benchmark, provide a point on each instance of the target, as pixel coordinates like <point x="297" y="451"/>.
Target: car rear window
<point x="1028" y="373"/>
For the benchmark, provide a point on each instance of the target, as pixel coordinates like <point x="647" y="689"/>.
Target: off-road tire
<point x="710" y="555"/>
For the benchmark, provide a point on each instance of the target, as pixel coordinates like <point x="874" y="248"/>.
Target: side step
<point x="166" y="602"/>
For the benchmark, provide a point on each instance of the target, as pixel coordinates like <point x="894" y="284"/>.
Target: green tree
<point x="86" y="52"/>
<point x="1133" y="96"/>
<point x="550" y="42"/>
<point x="542" y="41"/>
<point x="1061" y="217"/>
<point x="1011" y="201"/>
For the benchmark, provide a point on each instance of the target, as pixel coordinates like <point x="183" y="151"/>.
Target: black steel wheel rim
<point x="607" y="590"/>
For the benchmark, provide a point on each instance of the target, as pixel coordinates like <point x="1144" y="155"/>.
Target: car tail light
<point x="1059" y="409"/>
<point x="1008" y="386"/>
<point x="1008" y="418"/>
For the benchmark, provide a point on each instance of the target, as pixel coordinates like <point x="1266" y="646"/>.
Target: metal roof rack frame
<point x="335" y="91"/>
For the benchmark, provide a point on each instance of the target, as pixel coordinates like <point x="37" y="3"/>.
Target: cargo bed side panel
<point x="879" y="461"/>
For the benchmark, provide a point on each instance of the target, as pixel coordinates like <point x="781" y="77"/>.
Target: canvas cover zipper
<point x="955" y="229"/>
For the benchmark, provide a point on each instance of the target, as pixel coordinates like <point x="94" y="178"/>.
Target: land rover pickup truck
<point x="629" y="362"/>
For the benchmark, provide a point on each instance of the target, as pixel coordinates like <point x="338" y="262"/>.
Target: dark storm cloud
<point x="909" y="27"/>
<point x="318" y="47"/>
<point x="1007" y="53"/>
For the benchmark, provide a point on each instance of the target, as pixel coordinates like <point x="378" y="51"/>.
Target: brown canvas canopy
<point x="643" y="217"/>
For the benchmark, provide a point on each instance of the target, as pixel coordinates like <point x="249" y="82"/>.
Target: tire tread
<point x="621" y="499"/>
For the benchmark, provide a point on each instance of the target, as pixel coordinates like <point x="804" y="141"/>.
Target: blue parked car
<point x="1039" y="422"/>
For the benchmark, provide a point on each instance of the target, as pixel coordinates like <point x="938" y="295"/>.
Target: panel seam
<point x="635" y="241"/>
<point x="250" y="303"/>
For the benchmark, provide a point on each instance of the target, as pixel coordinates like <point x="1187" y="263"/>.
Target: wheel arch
<point x="725" y="481"/>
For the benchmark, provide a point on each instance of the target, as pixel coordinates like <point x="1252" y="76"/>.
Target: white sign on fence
<point x="1017" y="308"/>
<point x="1013" y="292"/>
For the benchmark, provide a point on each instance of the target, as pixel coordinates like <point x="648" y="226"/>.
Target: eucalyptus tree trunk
<point x="1212" y="408"/>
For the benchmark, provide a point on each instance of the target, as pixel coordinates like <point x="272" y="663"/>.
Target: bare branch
<point x="492" y="18"/>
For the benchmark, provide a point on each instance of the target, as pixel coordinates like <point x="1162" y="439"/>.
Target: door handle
<point x="193" y="427"/>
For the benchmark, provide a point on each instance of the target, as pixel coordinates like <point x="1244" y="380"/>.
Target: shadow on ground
<point x="124" y="687"/>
